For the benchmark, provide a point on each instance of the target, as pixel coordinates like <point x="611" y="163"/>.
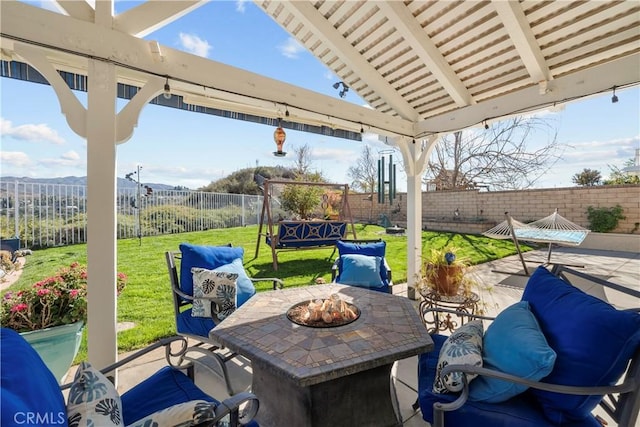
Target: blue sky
<point x="180" y="148"/>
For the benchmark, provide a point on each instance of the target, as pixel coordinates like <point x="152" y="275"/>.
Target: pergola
<point x="426" y="69"/>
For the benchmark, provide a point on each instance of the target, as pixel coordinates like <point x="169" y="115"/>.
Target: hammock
<point x="553" y="229"/>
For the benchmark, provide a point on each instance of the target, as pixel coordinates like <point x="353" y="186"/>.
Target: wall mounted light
<point x="486" y="125"/>
<point x="614" y="98"/>
<point x="343" y="91"/>
<point x="167" y="90"/>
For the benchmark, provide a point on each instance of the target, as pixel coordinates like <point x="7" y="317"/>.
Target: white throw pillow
<point x="93" y="400"/>
<point x="463" y="347"/>
<point x="220" y="286"/>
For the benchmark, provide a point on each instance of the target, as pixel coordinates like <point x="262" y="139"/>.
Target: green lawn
<point x="147" y="299"/>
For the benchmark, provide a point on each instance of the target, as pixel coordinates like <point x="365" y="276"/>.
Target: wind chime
<point x="386" y="178"/>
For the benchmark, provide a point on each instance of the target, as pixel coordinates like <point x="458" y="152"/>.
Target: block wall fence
<point x="479" y="211"/>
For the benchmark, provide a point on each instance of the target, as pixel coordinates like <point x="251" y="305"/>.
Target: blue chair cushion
<point x="361" y="270"/>
<point x="371" y="249"/>
<point x="208" y="257"/>
<point x="244" y="285"/>
<point x="198" y="326"/>
<point x="29" y="388"/>
<point x="514" y="344"/>
<point x="593" y="349"/>
<point x="165" y="388"/>
<point x="522" y="410"/>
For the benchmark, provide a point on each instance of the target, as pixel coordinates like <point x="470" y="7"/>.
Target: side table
<point x="436" y="309"/>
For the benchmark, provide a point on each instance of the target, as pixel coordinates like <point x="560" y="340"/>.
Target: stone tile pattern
<point x="388" y="329"/>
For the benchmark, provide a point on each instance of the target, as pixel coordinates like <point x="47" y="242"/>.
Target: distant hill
<point x="82" y="180"/>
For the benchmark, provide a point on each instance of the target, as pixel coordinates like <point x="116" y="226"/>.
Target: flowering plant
<point x="57" y="300"/>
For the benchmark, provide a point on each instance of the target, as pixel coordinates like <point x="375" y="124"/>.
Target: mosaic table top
<point x="387" y="330"/>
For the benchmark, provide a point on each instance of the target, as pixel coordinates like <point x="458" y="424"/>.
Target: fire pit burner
<point x="327" y="313"/>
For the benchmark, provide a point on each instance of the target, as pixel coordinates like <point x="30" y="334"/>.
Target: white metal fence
<point x="46" y="215"/>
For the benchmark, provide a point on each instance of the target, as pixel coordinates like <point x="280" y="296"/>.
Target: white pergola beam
<point x="46" y="28"/>
<point x="571" y="87"/>
<point x="405" y="23"/>
<point x="317" y="24"/>
<point x="516" y="24"/>
<point x="152" y="15"/>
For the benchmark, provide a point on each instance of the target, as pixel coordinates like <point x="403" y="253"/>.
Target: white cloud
<point x="194" y="44"/>
<point x="291" y="48"/>
<point x="68" y="159"/>
<point x="337" y="154"/>
<point x="30" y="132"/>
<point x="241" y="6"/>
<point x="15" y="158"/>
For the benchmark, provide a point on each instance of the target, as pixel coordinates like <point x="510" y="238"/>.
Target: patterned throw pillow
<point x="219" y="286"/>
<point x="93" y="400"/>
<point x="185" y="414"/>
<point x="464" y="346"/>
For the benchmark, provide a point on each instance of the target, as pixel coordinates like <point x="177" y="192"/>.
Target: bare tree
<point x="364" y="173"/>
<point x="303" y="159"/>
<point x="498" y="157"/>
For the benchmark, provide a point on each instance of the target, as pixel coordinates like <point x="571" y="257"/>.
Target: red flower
<point x="19" y="307"/>
<point x="42" y="292"/>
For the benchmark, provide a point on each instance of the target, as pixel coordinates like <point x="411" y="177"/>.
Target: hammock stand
<point x="553" y="229"/>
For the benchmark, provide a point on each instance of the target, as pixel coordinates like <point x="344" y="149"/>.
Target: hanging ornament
<point x="279" y="136"/>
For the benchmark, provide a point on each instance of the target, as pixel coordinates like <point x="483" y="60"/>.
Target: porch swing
<point x="298" y="234"/>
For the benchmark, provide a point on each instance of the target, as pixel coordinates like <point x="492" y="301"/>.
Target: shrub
<point x="603" y="219"/>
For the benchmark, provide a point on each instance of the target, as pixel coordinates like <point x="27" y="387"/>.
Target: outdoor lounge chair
<point x="548" y="360"/>
<point x="222" y="259"/>
<point x="362" y="263"/>
<point x="30" y="394"/>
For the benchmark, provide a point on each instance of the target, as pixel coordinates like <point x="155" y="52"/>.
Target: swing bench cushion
<point x="301" y="234"/>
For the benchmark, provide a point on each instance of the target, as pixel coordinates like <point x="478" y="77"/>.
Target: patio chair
<point x="218" y="259"/>
<point x="30" y="393"/>
<point x="548" y="360"/>
<point x="362" y="263"/>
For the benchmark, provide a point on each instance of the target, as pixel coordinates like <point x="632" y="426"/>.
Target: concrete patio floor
<point x="505" y="289"/>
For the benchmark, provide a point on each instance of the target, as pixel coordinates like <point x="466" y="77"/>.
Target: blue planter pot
<point x="57" y="346"/>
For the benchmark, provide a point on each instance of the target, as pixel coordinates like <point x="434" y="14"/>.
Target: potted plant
<point x="51" y="315"/>
<point x="444" y="272"/>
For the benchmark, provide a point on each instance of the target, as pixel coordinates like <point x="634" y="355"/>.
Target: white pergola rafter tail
<point x="78" y="9"/>
<point x="426" y="50"/>
<point x="81" y="39"/>
<point x="316" y="23"/>
<point x="620" y="72"/>
<point x="150" y="16"/>
<point x="517" y="26"/>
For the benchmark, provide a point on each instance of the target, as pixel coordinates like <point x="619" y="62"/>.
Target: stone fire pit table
<point x="336" y="376"/>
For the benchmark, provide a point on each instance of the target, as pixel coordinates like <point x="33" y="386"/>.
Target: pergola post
<point x="415" y="156"/>
<point x="101" y="213"/>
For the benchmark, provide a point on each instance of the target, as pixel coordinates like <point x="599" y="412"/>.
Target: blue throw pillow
<point x="361" y="270"/>
<point x="208" y="257"/>
<point x="371" y="249"/>
<point x="593" y="342"/>
<point x="29" y="389"/>
<point x="244" y="285"/>
<point x="513" y="344"/>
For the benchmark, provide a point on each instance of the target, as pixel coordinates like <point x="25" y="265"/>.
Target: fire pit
<point x="325" y="313"/>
